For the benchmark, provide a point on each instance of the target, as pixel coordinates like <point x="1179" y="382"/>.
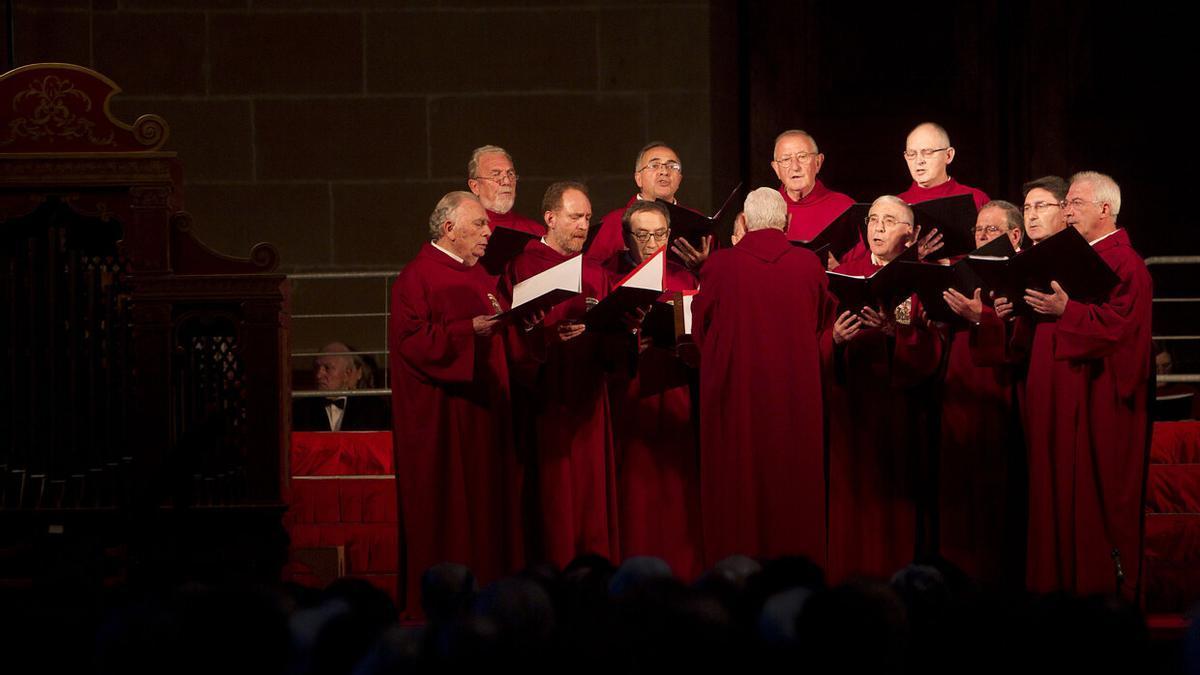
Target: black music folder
<point x="640" y="288"/>
<point x="694" y="227"/>
<point x="954" y="217"/>
<point x="841" y="235"/>
<point x="504" y="245"/>
<point x="1065" y="257"/>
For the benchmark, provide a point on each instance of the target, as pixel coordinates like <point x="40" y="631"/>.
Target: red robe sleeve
<point x="438" y="351"/>
<point x="1087" y="331"/>
<point x="989" y="340"/>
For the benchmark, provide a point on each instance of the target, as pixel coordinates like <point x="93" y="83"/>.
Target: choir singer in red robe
<point x="564" y="392"/>
<point x="457" y="475"/>
<point x="658" y="173"/>
<point x="981" y="468"/>
<point x="1085" y="413"/>
<point x="882" y="363"/>
<point x="929" y="154"/>
<point x="492" y="177"/>
<point x="811" y="205"/>
<point x="657" y="457"/>
<point x="757" y="318"/>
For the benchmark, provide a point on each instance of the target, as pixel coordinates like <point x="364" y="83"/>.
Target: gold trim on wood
<point x="61" y="107"/>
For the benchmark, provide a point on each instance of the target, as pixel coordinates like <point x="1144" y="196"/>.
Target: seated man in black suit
<point x="333" y="372"/>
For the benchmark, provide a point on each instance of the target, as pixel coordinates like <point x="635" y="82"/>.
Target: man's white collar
<point x="447" y="252"/>
<point x="1097" y="241"/>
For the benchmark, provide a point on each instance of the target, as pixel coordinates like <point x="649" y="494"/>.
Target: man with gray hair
<point x="658" y="173"/>
<point x="457" y="477"/>
<point x="1085" y="413"/>
<point x="981" y="453"/>
<point x="885" y="359"/>
<point x="812" y="206"/>
<point x="492" y="178"/>
<point x="338" y="370"/>
<point x="756" y="320"/>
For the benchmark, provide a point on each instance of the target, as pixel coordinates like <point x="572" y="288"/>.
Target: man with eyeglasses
<point x="811" y="206"/>
<point x="563" y="389"/>
<point x="459" y="482"/>
<point x="756" y="320"/>
<point x="658" y="174"/>
<point x="980" y="456"/>
<point x="928" y="153"/>
<point x="1085" y="412"/>
<point x="658" y="479"/>
<point x="883" y="363"/>
<point x="492" y="178"/>
<point x="1044" y="199"/>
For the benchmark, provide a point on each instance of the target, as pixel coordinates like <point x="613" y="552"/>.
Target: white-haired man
<point x="757" y="318"/>
<point x="492" y="178"/>
<point x="812" y="206"/>
<point x="1085" y="413"/>
<point x="338" y="369"/>
<point x="458" y="481"/>
<point x="884" y="361"/>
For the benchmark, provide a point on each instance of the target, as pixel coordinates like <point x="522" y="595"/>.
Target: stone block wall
<point x="331" y="127"/>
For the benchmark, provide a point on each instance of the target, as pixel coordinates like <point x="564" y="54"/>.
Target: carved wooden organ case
<point x="139" y="366"/>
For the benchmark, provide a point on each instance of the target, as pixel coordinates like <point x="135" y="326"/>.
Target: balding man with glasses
<point x="811" y="206"/>
<point x="928" y="153"/>
<point x="658" y="175"/>
<point x="492" y="177"/>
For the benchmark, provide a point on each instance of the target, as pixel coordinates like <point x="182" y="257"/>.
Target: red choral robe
<point x="981" y="524"/>
<point x="757" y="320"/>
<point x="457" y="474"/>
<point x="610" y="239"/>
<point x="814" y="212"/>
<point x="515" y="221"/>
<point x="1086" y="427"/>
<point x="566" y="394"/>
<point x="916" y="194"/>
<point x="657" y="458"/>
<point x="878" y="441"/>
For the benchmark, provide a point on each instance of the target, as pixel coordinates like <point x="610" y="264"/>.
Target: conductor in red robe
<point x="882" y="360"/>
<point x="811" y="205"/>
<point x="929" y="154"/>
<point x="1085" y="413"/>
<point x="565" y="397"/>
<point x="457" y="476"/>
<point x="492" y="177"/>
<point x="757" y="319"/>
<point x="658" y="473"/>
<point x="981" y="471"/>
<point x="658" y="173"/>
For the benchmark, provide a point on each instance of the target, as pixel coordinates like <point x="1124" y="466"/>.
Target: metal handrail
<point x="386" y="276"/>
<point x="335" y="393"/>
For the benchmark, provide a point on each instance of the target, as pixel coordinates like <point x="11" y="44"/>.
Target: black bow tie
<point x="339" y="402"/>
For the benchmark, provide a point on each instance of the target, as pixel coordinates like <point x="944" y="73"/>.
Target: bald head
<point x="928" y="153"/>
<point x="336" y="369"/>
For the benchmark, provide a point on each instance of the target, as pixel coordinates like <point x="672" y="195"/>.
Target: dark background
<point x="1024" y="88"/>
